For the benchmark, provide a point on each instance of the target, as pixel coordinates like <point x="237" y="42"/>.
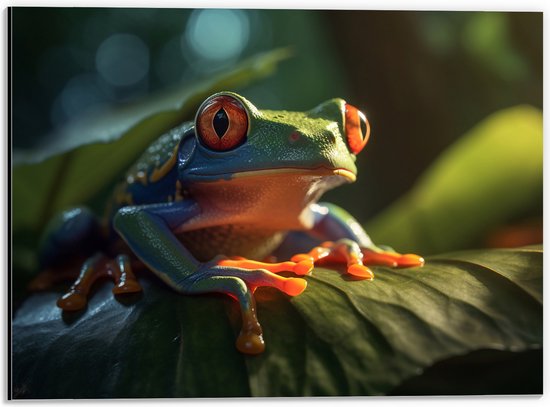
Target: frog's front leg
<point x="346" y="241"/>
<point x="240" y="284"/>
<point x="148" y="232"/>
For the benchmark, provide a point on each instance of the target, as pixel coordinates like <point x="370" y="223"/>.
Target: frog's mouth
<point x="322" y="171"/>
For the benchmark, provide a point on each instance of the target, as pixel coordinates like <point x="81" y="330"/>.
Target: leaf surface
<point x="340" y="337"/>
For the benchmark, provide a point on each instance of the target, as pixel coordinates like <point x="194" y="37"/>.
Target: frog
<point x="211" y="202"/>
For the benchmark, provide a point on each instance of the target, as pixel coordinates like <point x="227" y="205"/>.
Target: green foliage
<point x="339" y="337"/>
<point x="486" y="37"/>
<point x="84" y="157"/>
<point x="490" y="176"/>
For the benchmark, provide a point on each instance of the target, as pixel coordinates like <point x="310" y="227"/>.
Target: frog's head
<point x="235" y="139"/>
<point x="238" y="146"/>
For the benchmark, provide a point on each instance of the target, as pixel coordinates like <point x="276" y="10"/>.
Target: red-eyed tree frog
<point x="211" y="200"/>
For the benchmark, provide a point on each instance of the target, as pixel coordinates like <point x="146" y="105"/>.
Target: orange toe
<point x="303" y="267"/>
<point x="294" y="286"/>
<point x="297" y="258"/>
<point x="250" y="343"/>
<point x="410" y="260"/>
<point x="381" y="259"/>
<point x="358" y="270"/>
<point x="130" y="286"/>
<point x="390" y="259"/>
<point x="72" y="301"/>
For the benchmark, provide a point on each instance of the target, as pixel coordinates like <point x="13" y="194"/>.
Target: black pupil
<point x="363" y="127"/>
<point x="220" y="122"/>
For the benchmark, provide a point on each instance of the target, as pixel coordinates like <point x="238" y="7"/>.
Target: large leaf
<point x="339" y="337"/>
<point x="84" y="157"/>
<point x="492" y="175"/>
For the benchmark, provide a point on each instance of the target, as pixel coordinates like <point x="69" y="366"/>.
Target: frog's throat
<point x="277" y="200"/>
<point x="350" y="176"/>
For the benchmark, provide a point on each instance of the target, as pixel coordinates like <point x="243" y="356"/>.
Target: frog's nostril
<point x="331" y="137"/>
<point x="294" y="137"/>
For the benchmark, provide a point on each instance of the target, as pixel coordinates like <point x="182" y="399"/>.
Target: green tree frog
<point x="210" y="201"/>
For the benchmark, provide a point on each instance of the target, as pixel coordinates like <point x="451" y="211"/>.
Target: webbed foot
<point x="357" y="258"/>
<point x="98" y="266"/>
<point x="239" y="278"/>
<point x="391" y="259"/>
<point x="301" y="267"/>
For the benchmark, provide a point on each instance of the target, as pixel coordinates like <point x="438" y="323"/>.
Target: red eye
<point x="357" y="129"/>
<point x="222" y="123"/>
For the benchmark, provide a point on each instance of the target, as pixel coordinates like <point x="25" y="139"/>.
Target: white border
<point x="504" y="5"/>
<point x="501" y="5"/>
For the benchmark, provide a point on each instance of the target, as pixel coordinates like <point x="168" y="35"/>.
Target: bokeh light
<point x="78" y="95"/>
<point x="122" y="59"/>
<point x="216" y="35"/>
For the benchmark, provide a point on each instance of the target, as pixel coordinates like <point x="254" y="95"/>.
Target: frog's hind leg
<point x="345" y="241"/>
<point x="69" y="238"/>
<point x="74" y="233"/>
<point x="96" y="267"/>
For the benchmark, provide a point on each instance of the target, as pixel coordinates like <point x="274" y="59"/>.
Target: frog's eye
<point x="222" y="123"/>
<point x="357" y="129"/>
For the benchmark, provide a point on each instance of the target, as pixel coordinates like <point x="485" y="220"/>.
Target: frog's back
<point x="153" y="177"/>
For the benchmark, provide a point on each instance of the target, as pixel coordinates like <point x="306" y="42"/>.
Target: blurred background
<point x="423" y="78"/>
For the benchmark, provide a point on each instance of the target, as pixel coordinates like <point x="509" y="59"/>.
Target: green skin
<point x="248" y="201"/>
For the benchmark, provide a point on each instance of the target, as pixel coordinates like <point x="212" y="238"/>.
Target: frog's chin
<point x="342" y="174"/>
<point x="322" y="171"/>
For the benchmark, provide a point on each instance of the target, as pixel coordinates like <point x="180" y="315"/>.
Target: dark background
<point x="423" y="78"/>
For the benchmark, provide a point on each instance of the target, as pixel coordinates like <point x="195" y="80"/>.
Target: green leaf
<point x="490" y="176"/>
<point x="89" y="154"/>
<point x="340" y="337"/>
<point x="484" y="371"/>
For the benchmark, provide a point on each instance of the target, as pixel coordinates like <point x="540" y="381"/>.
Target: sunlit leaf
<point x="491" y="175"/>
<point x="339" y="337"/>
<point x="82" y="158"/>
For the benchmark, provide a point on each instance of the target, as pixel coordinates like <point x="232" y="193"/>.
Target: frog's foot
<point x="391" y="259"/>
<point x="301" y="268"/>
<point x="343" y="250"/>
<point x="258" y="274"/>
<point x="357" y="258"/>
<point x="239" y="282"/>
<point x="99" y="266"/>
